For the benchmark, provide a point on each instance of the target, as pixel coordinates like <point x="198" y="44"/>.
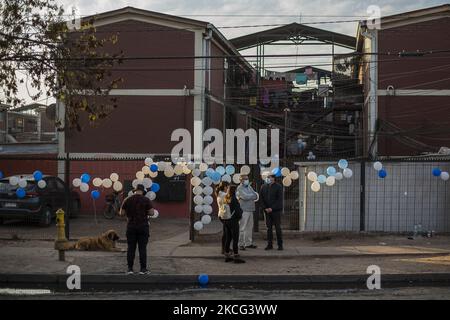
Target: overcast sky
<point x="280" y="11"/>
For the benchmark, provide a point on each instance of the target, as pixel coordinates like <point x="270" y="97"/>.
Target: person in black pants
<point x="272" y="204"/>
<point x="137" y="209"/>
<point x="232" y="226"/>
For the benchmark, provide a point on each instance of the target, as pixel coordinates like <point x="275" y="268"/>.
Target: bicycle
<point x="112" y="206"/>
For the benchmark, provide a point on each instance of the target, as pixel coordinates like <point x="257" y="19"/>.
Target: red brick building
<point x="158" y="95"/>
<point x="406" y="87"/>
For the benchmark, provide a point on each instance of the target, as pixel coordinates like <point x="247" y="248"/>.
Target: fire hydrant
<point x="61" y="240"/>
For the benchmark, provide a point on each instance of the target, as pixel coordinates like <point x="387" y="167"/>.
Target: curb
<point x="172" y="282"/>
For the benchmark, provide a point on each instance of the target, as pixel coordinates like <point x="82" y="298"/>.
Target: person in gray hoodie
<point x="247" y="197"/>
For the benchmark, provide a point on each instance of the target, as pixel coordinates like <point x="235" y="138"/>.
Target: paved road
<point x="416" y="293"/>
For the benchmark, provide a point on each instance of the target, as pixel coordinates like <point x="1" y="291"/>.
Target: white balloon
<point x="42" y="184"/>
<point x="207" y="209"/>
<point x="285" y="172"/>
<point x="198" y="208"/>
<point x="331" y="181"/>
<point x="153" y="174"/>
<point x="315" y="186"/>
<point x="294" y="175"/>
<point x="196" y="181"/>
<point x="148" y="161"/>
<point x="23" y="183"/>
<point x="186" y="170"/>
<point x="198" y="199"/>
<point x="147" y="182"/>
<point x="208" y="190"/>
<point x="107" y="183"/>
<point x="245" y="170"/>
<point x="155" y="214"/>
<point x="151" y="195"/>
<point x="207" y="181"/>
<point x="162" y="166"/>
<point x="197" y="190"/>
<point x="203" y="167"/>
<point x="348" y="173"/>
<point x="140" y="175"/>
<point x="178" y="169"/>
<point x="97" y="182"/>
<point x="445" y="176"/>
<point x="339" y="176"/>
<point x="208" y="200"/>
<point x="196" y="172"/>
<point x="168" y="172"/>
<point x="118" y="186"/>
<point x="84" y="187"/>
<point x="206" y="219"/>
<point x="114" y="177"/>
<point x="76" y="182"/>
<point x="146" y="170"/>
<point x="237" y="178"/>
<point x="312" y="176"/>
<point x="226" y="178"/>
<point x="136" y="182"/>
<point x="378" y="166"/>
<point x="287" y="182"/>
<point x="198" y="226"/>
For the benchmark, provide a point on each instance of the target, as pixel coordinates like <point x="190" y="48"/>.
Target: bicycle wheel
<point x="109" y="212"/>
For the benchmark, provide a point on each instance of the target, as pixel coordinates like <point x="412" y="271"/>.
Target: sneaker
<point x="242" y="248"/>
<point x="251" y="246"/>
<point x="130" y="272"/>
<point x="144" y="272"/>
<point x="269" y="247"/>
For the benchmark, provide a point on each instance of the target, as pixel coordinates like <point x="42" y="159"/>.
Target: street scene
<point x="187" y="151"/>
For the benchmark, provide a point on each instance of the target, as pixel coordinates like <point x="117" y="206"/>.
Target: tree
<point x="72" y="66"/>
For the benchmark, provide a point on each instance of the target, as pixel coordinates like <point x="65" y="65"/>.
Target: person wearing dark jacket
<point x="137" y="208"/>
<point x="230" y="213"/>
<point x="272" y="205"/>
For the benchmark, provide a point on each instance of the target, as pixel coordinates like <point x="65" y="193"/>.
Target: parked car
<point x="39" y="205"/>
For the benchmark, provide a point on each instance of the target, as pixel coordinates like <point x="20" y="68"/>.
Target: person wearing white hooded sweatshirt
<point x="247" y="197"/>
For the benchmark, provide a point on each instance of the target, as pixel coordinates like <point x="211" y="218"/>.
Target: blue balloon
<point x="437" y="172"/>
<point x="37" y="175"/>
<point x="216" y="176"/>
<point x="154" y="168"/>
<point x="230" y="169"/>
<point x="210" y="172"/>
<point x="220" y="170"/>
<point x="155" y="187"/>
<point x="95" y="194"/>
<point x="343" y="164"/>
<point x="382" y="173"/>
<point x="277" y="172"/>
<point x="1" y="175"/>
<point x="322" y="179"/>
<point x="203" y="279"/>
<point x="331" y="171"/>
<point x="85" y="178"/>
<point x="20" y="192"/>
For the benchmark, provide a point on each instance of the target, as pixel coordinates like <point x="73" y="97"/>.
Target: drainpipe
<point x="373" y="87"/>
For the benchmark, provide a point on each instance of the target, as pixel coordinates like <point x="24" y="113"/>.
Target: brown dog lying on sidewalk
<point x="105" y="242"/>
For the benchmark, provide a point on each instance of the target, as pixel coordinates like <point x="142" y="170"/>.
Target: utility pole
<point x="286" y="114"/>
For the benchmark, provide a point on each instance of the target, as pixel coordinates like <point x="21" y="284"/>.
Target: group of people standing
<point x="236" y="206"/>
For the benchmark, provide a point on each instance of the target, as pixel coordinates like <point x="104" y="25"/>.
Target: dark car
<point x="39" y="205"/>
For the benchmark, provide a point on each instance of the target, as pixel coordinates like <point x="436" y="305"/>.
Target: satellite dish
<point x="50" y="112"/>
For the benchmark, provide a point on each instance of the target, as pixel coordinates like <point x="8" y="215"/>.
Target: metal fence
<point x="410" y="198"/>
